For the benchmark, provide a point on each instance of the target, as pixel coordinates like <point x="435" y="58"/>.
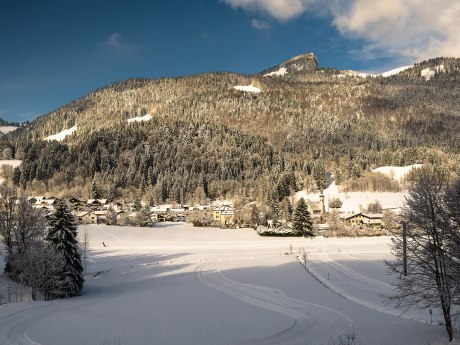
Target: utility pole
<point x="404" y="234"/>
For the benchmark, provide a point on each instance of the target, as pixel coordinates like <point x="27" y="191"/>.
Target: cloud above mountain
<point x="279" y="9"/>
<point x="414" y="29"/>
<point x="116" y="43"/>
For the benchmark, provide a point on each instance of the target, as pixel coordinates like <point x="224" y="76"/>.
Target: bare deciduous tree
<point x="453" y="208"/>
<point x="40" y="267"/>
<point x="8" y="198"/>
<point x="85" y="248"/>
<point x="29" y="225"/>
<point x="349" y="338"/>
<point x="424" y="250"/>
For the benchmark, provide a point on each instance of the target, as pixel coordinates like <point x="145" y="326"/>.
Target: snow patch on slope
<point x="395" y="71"/>
<point x="282" y="71"/>
<point x="430" y="72"/>
<point x="61" y="135"/>
<point x="248" y="88"/>
<point x="7" y="129"/>
<point x="427" y="73"/>
<point x="351" y="73"/>
<point x="144" y="118"/>
<point x="384" y="74"/>
<point x="396" y="173"/>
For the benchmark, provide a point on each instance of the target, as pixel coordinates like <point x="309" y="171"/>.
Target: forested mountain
<point x="206" y="138"/>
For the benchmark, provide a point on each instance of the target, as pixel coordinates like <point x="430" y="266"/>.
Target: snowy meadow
<point x="175" y="284"/>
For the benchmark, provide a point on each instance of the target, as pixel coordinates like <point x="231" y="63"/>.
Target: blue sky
<point x="52" y="52"/>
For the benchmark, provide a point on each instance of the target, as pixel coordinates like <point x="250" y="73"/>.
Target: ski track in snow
<point x="14" y="327"/>
<point x="359" y="288"/>
<point x="309" y="321"/>
<point x="351" y="278"/>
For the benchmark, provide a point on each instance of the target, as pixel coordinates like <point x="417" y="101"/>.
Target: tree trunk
<point x="448" y="322"/>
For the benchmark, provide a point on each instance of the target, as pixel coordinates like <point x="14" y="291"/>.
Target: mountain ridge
<point x="308" y="122"/>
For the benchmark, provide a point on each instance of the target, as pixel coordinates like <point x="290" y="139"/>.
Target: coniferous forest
<point x="208" y="140"/>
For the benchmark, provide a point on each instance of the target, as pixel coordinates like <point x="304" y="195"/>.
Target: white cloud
<point x="115" y="42"/>
<point x="279" y="9"/>
<point x="260" y="25"/>
<point x="417" y="29"/>
<point x="413" y="29"/>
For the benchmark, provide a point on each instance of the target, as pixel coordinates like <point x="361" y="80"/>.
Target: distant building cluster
<point x="101" y="211"/>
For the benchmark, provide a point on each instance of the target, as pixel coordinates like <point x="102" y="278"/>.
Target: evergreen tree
<point x="254" y="217"/>
<point x="94" y="191"/>
<point x="275" y="208"/>
<point x="286" y="209"/>
<point x="335" y="203"/>
<point x="137" y="204"/>
<point x="63" y="236"/>
<point x="111" y="216"/>
<point x="319" y="174"/>
<point x="276" y="214"/>
<point x="16" y="176"/>
<point x="302" y="223"/>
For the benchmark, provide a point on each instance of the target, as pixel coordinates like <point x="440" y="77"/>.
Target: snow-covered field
<point x="357" y="201"/>
<point x="175" y="284"/>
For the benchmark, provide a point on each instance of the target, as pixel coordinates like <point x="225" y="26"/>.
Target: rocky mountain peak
<point x="295" y="66"/>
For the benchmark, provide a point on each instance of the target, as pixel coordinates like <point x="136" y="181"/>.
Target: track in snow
<point x="312" y="324"/>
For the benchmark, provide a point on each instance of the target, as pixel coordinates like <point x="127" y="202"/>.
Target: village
<point x="217" y="214"/>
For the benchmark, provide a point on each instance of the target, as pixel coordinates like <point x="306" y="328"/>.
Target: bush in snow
<point x="279" y="231"/>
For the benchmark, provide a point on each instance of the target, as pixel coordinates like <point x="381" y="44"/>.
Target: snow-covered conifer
<point x="63" y="235"/>
<point x="301" y="222"/>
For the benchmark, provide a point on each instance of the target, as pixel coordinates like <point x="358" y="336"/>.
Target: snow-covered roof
<point x="366" y="215"/>
<point x="101" y="213"/>
<point x="224" y="208"/>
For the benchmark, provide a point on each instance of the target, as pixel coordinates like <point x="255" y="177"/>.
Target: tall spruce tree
<point x="276" y="214"/>
<point x="275" y="208"/>
<point x="94" y="191"/>
<point x="63" y="236"/>
<point x="302" y="223"/>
